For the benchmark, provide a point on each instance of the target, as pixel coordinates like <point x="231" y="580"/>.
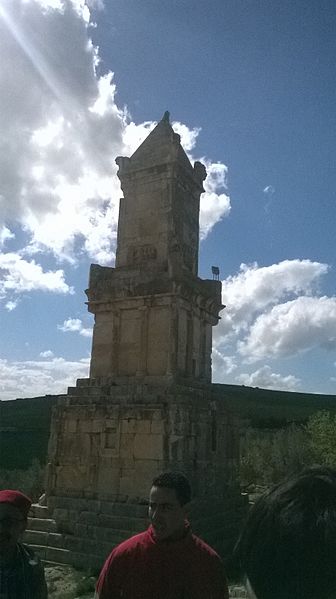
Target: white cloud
<point x="11" y="305"/>
<point x="60" y="136"/>
<point x="5" y="234"/>
<point x="18" y="275"/>
<point x="34" y="378"/>
<point x="266" y="379"/>
<point x="272" y="312"/>
<point x="215" y="203"/>
<point x="222" y="365"/>
<point x="255" y="288"/>
<point x="291" y="328"/>
<point x="74" y="325"/>
<point x="47" y="354"/>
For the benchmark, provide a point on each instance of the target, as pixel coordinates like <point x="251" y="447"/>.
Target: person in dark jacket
<point x="287" y="548"/>
<point x="21" y="572"/>
<point x="166" y="561"/>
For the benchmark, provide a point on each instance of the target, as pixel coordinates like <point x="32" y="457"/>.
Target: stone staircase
<point x="87" y="541"/>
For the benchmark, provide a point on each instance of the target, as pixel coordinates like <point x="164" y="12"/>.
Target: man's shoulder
<point x="134" y="544"/>
<point x="203" y="548"/>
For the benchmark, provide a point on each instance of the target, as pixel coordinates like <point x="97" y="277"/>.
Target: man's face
<point x="12" y="525"/>
<point x="166" y="513"/>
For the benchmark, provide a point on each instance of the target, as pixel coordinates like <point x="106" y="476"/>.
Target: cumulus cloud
<point x="47" y="354"/>
<point x="222" y="365"/>
<point x="60" y="127"/>
<point x="11" y="305"/>
<point x="215" y="203"/>
<point x="34" y="378"/>
<point x="291" y="328"/>
<point x="74" y="325"/>
<point x="273" y="312"/>
<point x="255" y="288"/>
<point x="5" y="234"/>
<point x="266" y="379"/>
<point x="18" y="275"/>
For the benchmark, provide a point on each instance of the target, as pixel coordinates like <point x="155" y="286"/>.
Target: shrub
<point x="269" y="456"/>
<point x="321" y="428"/>
<point x="29" y="481"/>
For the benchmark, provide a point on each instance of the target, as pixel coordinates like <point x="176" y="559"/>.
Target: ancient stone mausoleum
<point x="148" y="404"/>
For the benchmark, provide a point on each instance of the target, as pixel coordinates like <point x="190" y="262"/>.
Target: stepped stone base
<point x="108" y="441"/>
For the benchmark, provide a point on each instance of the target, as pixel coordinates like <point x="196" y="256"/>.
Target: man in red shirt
<point x="166" y="561"/>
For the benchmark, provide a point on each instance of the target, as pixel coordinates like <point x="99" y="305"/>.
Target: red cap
<point x="17" y="499"/>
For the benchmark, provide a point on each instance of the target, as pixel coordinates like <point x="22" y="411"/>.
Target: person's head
<point x="169" y="500"/>
<point x="287" y="548"/>
<point x="14" y="508"/>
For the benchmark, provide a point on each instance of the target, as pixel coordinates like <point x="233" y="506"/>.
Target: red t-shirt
<point x="144" y="568"/>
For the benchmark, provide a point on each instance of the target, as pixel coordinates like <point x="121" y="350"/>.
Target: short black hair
<point x="177" y="481"/>
<point x="287" y="548"/>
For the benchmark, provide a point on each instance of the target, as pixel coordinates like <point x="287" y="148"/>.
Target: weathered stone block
<point x="98" y="425"/>
<point x="129" y="425"/>
<point x="157" y="427"/>
<point x="148" y="446"/>
<point x="72" y="426"/>
<point x="127" y="445"/>
<point x="143" y="426"/>
<point x="108" y="480"/>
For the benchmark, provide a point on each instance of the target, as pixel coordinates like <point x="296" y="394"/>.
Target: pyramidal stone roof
<point x="161" y="146"/>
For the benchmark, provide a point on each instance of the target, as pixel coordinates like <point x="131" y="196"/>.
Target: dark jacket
<point x="24" y="577"/>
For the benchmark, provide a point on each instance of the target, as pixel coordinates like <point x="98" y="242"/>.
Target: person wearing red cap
<point x="21" y="572"/>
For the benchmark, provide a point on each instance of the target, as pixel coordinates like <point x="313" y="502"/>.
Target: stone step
<point x="42" y="524"/>
<point x="36" y="537"/>
<point x="99" y="542"/>
<point x="39" y="511"/>
<point x="111" y="508"/>
<point x="108" y="535"/>
<point x="67" y="557"/>
<point x="107" y="521"/>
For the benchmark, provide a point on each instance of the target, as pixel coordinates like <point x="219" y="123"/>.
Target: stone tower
<point x="148" y="404"/>
<point x="153" y="314"/>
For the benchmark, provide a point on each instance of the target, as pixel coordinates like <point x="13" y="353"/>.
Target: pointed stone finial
<point x="165" y="117"/>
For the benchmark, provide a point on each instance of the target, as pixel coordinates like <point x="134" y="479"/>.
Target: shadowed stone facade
<point x="148" y="404"/>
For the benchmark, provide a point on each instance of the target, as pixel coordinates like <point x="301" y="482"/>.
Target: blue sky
<point x="250" y="86"/>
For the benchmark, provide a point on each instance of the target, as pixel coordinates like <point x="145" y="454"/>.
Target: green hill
<point x="273" y="409"/>
<point x="24" y="431"/>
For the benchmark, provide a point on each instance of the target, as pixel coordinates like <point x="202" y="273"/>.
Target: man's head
<point x="14" y="508"/>
<point x="169" y="500"/>
<point x="287" y="549"/>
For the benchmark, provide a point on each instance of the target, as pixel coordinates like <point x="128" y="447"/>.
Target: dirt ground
<point x="64" y="582"/>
